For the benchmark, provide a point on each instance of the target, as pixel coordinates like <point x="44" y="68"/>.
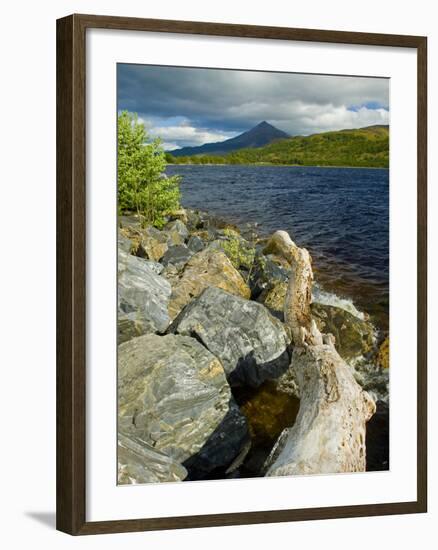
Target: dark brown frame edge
<point x="71" y="265"/>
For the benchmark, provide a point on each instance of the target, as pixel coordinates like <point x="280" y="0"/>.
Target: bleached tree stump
<point x="329" y="433"/>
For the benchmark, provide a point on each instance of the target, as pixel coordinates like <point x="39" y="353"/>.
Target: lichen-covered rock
<point x="211" y="221"/>
<point x="128" y="328"/>
<point x="173" y="395"/>
<point x="177" y="232"/>
<point x="181" y="214"/>
<point x="224" y="447"/>
<point x="155" y="266"/>
<point x="354" y="337"/>
<point x="383" y="354"/>
<point x="373" y="379"/>
<point x="206" y="268"/>
<point x="143" y="297"/>
<point x="131" y="221"/>
<point x="139" y="462"/>
<point x="273" y="298"/>
<point x="177" y="255"/>
<point x="193" y="219"/>
<point x="146" y="242"/>
<point x="249" y="341"/>
<point x="123" y="243"/>
<point x="195" y="243"/>
<point x="154" y="243"/>
<point x="266" y="273"/>
<point x="287" y="383"/>
<point x="329" y="433"/>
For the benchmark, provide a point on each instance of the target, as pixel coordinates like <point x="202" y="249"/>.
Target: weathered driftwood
<point x="297" y="314"/>
<point x="329" y="433"/>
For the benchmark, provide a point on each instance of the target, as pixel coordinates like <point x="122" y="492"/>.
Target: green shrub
<point x="142" y="184"/>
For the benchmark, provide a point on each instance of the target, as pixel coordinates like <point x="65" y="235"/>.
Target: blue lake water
<point x="341" y="215"/>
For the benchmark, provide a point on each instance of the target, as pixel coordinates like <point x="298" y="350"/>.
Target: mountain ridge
<point x="355" y="147"/>
<point x="258" y="136"/>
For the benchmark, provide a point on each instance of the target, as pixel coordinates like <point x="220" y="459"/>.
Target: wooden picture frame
<point x="71" y="273"/>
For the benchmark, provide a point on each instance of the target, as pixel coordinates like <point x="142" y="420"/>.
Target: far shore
<point x="273" y="164"/>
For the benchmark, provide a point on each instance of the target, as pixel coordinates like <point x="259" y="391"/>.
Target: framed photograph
<point x="241" y="274"/>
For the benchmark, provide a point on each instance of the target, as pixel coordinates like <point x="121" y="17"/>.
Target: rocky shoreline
<point x="227" y="365"/>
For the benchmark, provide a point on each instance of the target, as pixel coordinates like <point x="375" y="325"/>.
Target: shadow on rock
<point x="222" y="447"/>
<point x="249" y="372"/>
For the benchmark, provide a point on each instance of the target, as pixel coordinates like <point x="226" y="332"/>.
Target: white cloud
<point x="212" y="105"/>
<point x="313" y="119"/>
<point x="169" y="146"/>
<point x="226" y="100"/>
<point x="182" y="135"/>
<point x="298" y="119"/>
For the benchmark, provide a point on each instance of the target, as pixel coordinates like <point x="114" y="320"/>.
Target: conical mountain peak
<point x="258" y="136"/>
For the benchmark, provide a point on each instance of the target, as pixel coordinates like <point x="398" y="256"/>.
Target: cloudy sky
<point x="187" y="106"/>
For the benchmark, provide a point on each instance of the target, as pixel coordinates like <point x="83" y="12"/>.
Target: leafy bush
<point x="142" y="185"/>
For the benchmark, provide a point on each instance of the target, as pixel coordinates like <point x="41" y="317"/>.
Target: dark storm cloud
<point x="221" y="103"/>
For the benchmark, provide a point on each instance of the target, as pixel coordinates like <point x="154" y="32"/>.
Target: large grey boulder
<point x="249" y="341"/>
<point x="153" y="243"/>
<point x="139" y="462"/>
<point x="354" y="337"/>
<point x="177" y="232"/>
<point x="124" y="243"/>
<point x="181" y="214"/>
<point x="193" y="219"/>
<point x="228" y="443"/>
<point x="174" y="396"/>
<point x="204" y="269"/>
<point x="133" y="221"/>
<point x="177" y="255"/>
<point x="146" y="242"/>
<point x="143" y="297"/>
<point x="195" y="243"/>
<point x="267" y="271"/>
<point x="274" y="298"/>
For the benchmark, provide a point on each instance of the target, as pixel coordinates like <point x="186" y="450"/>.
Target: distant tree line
<point x="365" y="147"/>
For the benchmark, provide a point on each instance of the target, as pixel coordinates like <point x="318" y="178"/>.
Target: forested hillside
<point x="367" y="147"/>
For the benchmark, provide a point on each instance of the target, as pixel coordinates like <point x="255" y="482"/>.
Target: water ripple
<point x="340" y="214"/>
